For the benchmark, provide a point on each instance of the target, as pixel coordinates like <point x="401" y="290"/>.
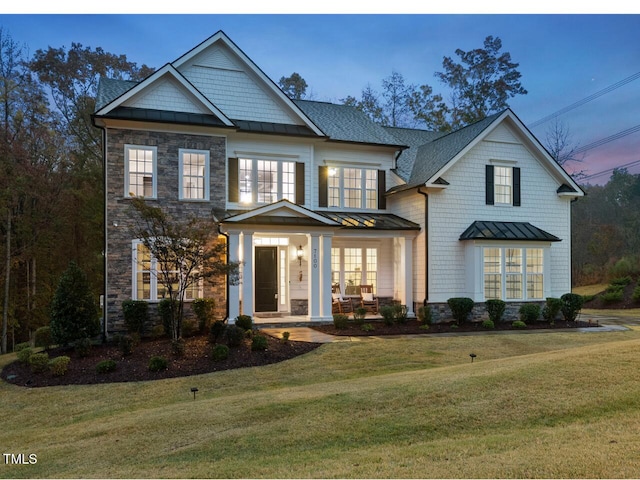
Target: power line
<point x="609" y="170"/>
<point x="608" y="139"/>
<point x="579" y="103"/>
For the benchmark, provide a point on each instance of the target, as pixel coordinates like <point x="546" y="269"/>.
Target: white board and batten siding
<point x="453" y="209"/>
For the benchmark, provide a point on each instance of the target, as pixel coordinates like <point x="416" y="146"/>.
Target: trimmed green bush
<point x="82" y="347"/>
<point x="285" y="336"/>
<point x="359" y="315"/>
<point x="126" y="343"/>
<point x="388" y="315"/>
<point x="59" y="365"/>
<point x="21" y="346"/>
<point x="219" y="353"/>
<point x="626" y="266"/>
<point x="400" y="314"/>
<point x="612" y="296"/>
<point x="367" y="327"/>
<point x="235" y="335"/>
<point x="39" y="362"/>
<point x="551" y="309"/>
<point x="43" y="338"/>
<point x="245" y="322"/>
<point x="460" y="307"/>
<point x="178" y="347"/>
<point x="624" y="281"/>
<point x="488" y="324"/>
<point x="340" y="321"/>
<point x="425" y="315"/>
<point x="519" y="324"/>
<point x="530" y="312"/>
<point x="164" y="310"/>
<point x="136" y="313"/>
<point x="614" y="288"/>
<point x="157" y="364"/>
<point x="636" y="294"/>
<point x="571" y="306"/>
<point x="259" y="343"/>
<point x="189" y="327"/>
<point x="106" y="366"/>
<point x="216" y="331"/>
<point x="203" y="309"/>
<point x="74" y="313"/>
<point x="24" y="354"/>
<point x="495" y="309"/>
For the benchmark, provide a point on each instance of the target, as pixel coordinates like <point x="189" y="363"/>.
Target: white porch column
<point x="247" y="274"/>
<point x="404" y="272"/>
<point x="325" y="290"/>
<point x="233" y="295"/>
<point x="315" y="291"/>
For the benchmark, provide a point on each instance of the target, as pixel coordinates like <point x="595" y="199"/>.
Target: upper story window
<point x="352" y="187"/>
<point x="502" y="185"/>
<point x="265" y="181"/>
<point x="140" y="163"/>
<point x="194" y="174"/>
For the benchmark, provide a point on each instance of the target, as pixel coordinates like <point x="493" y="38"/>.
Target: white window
<point x="266" y="181"/>
<point x="352" y="267"/>
<point x="506" y="270"/>
<point x="148" y="277"/>
<point x="140" y="165"/>
<point x="503" y="180"/>
<point x="194" y="174"/>
<point x="352" y="187"/>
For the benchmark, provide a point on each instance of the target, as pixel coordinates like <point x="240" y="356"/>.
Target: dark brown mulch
<point x="414" y="327"/>
<point x="132" y="368"/>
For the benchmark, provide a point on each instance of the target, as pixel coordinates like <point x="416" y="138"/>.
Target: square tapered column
<point x="234" y="290"/>
<point x="247" y="274"/>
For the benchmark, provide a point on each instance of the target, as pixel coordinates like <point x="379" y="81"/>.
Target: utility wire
<point x="579" y="103"/>
<point x="608" y="139"/>
<point x="609" y="170"/>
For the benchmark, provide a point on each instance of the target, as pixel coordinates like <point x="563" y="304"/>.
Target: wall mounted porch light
<point x="300" y="254"/>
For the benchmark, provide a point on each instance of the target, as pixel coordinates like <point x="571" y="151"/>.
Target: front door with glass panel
<point x="266" y="279"/>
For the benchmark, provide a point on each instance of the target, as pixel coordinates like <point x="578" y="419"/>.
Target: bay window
<point x="513" y="273"/>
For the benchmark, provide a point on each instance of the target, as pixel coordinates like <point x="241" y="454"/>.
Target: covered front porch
<point x="291" y="258"/>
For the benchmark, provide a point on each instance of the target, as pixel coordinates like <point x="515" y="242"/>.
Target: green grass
<point x="533" y="405"/>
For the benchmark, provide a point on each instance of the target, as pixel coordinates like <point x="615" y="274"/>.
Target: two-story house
<point x="308" y="195"/>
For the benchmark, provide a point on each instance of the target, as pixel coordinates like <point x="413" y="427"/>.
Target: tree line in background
<point x="51" y="165"/>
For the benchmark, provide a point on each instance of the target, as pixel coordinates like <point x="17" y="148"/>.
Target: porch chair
<point x="338" y="303"/>
<point x="368" y="300"/>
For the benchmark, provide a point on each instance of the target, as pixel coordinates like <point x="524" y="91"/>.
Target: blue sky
<point x="563" y="58"/>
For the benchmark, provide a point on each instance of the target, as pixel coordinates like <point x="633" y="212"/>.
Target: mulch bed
<point x="133" y="368"/>
<point x="626" y="302"/>
<point x="414" y="327"/>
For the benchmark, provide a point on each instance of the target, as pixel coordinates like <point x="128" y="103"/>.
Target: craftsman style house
<point x="309" y="195"/>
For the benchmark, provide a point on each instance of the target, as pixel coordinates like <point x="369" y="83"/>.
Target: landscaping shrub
<point x="530" y="312"/>
<point x="21" y="346"/>
<point x="495" y="309"/>
<point x="24" y="354"/>
<point x="400" y="314"/>
<point x="59" y="365"/>
<point x="157" y="364"/>
<point x="519" y="324"/>
<point x="340" y="321"/>
<point x="126" y="344"/>
<point x="571" y="306"/>
<point x="359" y="315"/>
<point x="259" y="342"/>
<point x="612" y="296"/>
<point x="425" y="315"/>
<point x="234" y="335"/>
<point x="203" y="309"/>
<point x="626" y="266"/>
<point x="106" y="366"/>
<point x="82" y="347"/>
<point x="636" y="294"/>
<point x="216" y="330"/>
<point x="624" y="281"/>
<point x="219" y="353"/>
<point x="551" y="309"/>
<point x="614" y="288"/>
<point x="157" y="331"/>
<point x="488" y="324"/>
<point x="164" y="310"/>
<point x="460" y="307"/>
<point x="189" y="328"/>
<point x="178" y="347"/>
<point x="245" y="322"/>
<point x="74" y="314"/>
<point x="367" y="327"/>
<point x="39" y="362"/>
<point x="136" y="313"/>
<point x="285" y="336"/>
<point x="43" y="338"/>
<point x="388" y="315"/>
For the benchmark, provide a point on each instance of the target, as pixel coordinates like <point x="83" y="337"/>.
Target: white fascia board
<point x="167" y="70"/>
<point x="263" y="210"/>
<point x="222" y="37"/>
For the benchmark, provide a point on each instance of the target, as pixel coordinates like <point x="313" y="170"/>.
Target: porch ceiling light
<point x="300" y="254"/>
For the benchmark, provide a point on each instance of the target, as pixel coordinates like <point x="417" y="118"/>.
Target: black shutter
<point x="323" y="186"/>
<point x="516" y="186"/>
<point x="300" y="183"/>
<point x="489" y="184"/>
<point x="382" y="189"/>
<point x="233" y="180"/>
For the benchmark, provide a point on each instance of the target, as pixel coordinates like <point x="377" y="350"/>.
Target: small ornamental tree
<point x="186" y="250"/>
<point x="74" y="314"/>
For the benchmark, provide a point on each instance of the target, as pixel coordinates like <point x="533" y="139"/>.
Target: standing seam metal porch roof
<point x="488" y="230"/>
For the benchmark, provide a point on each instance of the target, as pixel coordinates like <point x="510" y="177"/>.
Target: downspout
<point x="104" y="239"/>
<point x="426" y="245"/>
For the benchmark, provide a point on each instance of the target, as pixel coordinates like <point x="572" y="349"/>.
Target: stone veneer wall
<point x="442" y="313"/>
<point x="119" y="241"/>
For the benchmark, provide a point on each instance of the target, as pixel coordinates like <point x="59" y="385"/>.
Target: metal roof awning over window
<point x="373" y="221"/>
<point x="485" y="230"/>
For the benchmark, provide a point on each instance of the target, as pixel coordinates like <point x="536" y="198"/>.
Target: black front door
<point x="266" y="280"/>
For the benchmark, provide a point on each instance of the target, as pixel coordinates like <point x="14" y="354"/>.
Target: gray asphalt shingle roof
<point x="109" y="90"/>
<point x="414" y="139"/>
